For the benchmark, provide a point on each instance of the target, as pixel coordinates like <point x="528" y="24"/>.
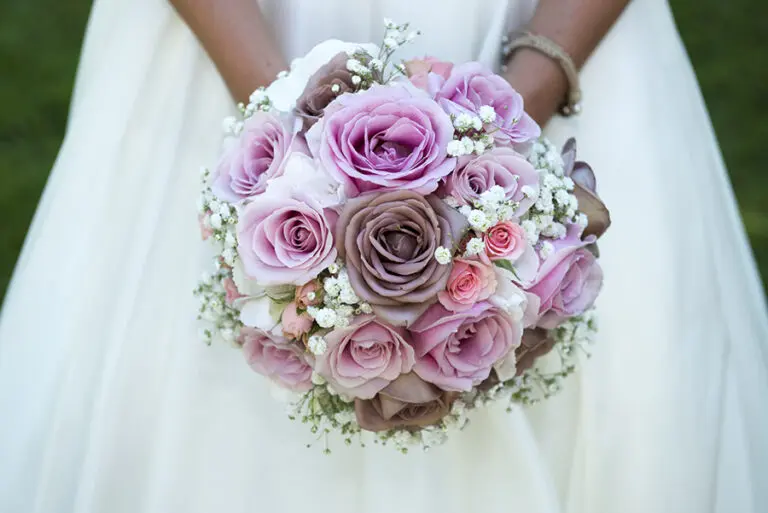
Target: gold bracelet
<point x="572" y="104"/>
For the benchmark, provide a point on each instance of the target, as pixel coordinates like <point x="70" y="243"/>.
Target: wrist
<point x="539" y="80"/>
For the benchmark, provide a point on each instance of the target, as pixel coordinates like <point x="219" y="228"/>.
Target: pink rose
<point x="456" y="351"/>
<point x="473" y="85"/>
<point x="500" y="166"/>
<point x="385" y="138"/>
<point x="309" y="294"/>
<point x="276" y="358"/>
<point x="568" y="281"/>
<point x="362" y="359"/>
<point x="230" y="291"/>
<point x="258" y="156"/>
<point x="505" y="240"/>
<point x="295" y="324"/>
<point x="422" y="72"/>
<point x="471" y="280"/>
<point x="285" y="240"/>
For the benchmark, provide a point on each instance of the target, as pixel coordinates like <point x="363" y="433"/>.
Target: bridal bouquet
<point x="396" y="244"/>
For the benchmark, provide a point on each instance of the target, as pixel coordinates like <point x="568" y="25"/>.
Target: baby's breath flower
<point x="317" y="345"/>
<point x="443" y="255"/>
<point x="478" y="220"/>
<point x="215" y="220"/>
<point x="475" y="246"/>
<point x="467" y="145"/>
<point x="229" y="256"/>
<point x="546" y="250"/>
<point x="325" y="317"/>
<point x="487" y="114"/>
<point x="332" y="287"/>
<point x="528" y="191"/>
<point x="454" y="148"/>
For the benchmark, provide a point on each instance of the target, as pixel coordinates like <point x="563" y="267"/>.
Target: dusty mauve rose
<point x="568" y="281"/>
<point x="320" y="89"/>
<point x="500" y="166"/>
<point x="473" y="85"/>
<point x="422" y="72"/>
<point x="365" y="357"/>
<point x="385" y="138"/>
<point x="408" y="401"/>
<point x="505" y="240"/>
<point x="285" y="240"/>
<point x="303" y="294"/>
<point x="295" y="324"/>
<point x="456" y="351"/>
<point x="276" y="358"/>
<point x="585" y="190"/>
<point x="471" y="280"/>
<point x="535" y="343"/>
<point x="258" y="156"/>
<point x="388" y="242"/>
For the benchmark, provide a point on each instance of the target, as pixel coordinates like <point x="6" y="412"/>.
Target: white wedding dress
<point x="110" y="404"/>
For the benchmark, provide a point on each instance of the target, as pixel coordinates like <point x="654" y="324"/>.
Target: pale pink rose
<point x="473" y="85"/>
<point x="285" y="240"/>
<point x="568" y="281"/>
<point x="471" y="280"/>
<point x="499" y="166"/>
<point x="295" y="324"/>
<point x="387" y="138"/>
<point x="365" y="357"/>
<point x="258" y="156"/>
<point x="505" y="240"/>
<point x="230" y="290"/>
<point x="277" y="358"/>
<point x="428" y="73"/>
<point x="457" y="351"/>
<point x="303" y="292"/>
<point x="205" y="230"/>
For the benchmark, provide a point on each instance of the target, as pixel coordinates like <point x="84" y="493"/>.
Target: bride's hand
<point x="577" y="26"/>
<point x="540" y="81"/>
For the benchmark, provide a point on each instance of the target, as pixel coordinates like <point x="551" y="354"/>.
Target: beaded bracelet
<point x="572" y="104"/>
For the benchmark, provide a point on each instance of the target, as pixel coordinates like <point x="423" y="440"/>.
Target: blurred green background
<point x="40" y="41"/>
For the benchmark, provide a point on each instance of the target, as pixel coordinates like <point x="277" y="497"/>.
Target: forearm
<point x="577" y="26"/>
<point x="236" y="36"/>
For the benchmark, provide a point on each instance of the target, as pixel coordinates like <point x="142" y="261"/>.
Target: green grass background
<point x="40" y="42"/>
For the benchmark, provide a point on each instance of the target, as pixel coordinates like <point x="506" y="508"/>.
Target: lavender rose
<point x="276" y="358"/>
<point x="384" y="138"/>
<point x="320" y="89"/>
<point x="408" y="401"/>
<point x="365" y="357"/>
<point x="473" y="85"/>
<point x="500" y="166"/>
<point x="568" y="281"/>
<point x="285" y="240"/>
<point x="257" y="156"/>
<point x="456" y="351"/>
<point x="388" y="242"/>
